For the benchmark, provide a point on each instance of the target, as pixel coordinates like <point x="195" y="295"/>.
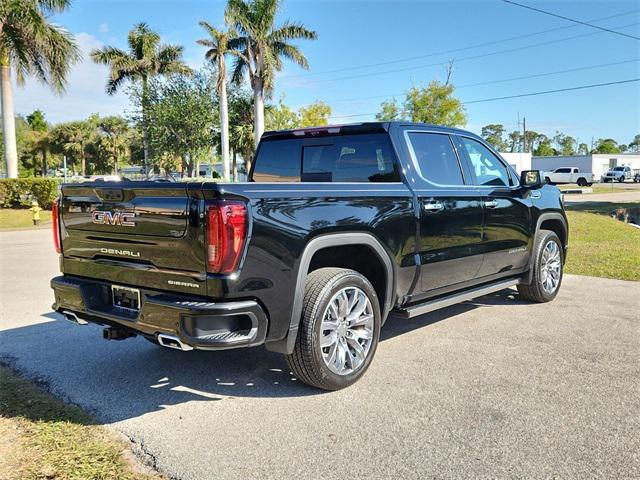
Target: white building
<point x="519" y="161"/>
<point x="597" y="163"/>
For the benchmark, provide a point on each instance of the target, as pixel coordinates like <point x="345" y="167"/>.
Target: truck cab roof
<point x="356" y="128"/>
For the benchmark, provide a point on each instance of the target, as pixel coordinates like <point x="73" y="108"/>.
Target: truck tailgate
<point x="134" y="233"/>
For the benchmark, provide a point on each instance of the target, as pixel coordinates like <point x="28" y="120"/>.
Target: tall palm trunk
<point x="145" y="133"/>
<point x="258" y="109"/>
<point x="224" y="131"/>
<point x="8" y="121"/>
<point x="235" y="166"/>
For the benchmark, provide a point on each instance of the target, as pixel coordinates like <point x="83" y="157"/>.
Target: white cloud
<point x="103" y="28"/>
<point x="85" y="93"/>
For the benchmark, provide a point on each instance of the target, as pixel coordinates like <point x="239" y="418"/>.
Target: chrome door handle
<point x="433" y="206"/>
<point x="491" y="203"/>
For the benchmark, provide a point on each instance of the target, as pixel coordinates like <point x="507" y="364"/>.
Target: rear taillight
<point x="226" y="235"/>
<point x="55" y="216"/>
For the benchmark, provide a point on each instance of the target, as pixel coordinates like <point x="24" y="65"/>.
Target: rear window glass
<point x="278" y="161"/>
<point x="351" y="158"/>
<point x="347" y="158"/>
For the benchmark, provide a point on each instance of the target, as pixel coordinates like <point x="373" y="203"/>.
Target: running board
<point x="447" y="301"/>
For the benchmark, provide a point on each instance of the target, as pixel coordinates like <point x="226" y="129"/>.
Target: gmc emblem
<point x="126" y="219"/>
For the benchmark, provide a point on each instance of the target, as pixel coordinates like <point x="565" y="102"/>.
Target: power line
<point x="520" y="95"/>
<point x="445" y="52"/>
<point x="511" y="2"/>
<point x="461" y="59"/>
<point x="502" y="80"/>
<point x="568" y="89"/>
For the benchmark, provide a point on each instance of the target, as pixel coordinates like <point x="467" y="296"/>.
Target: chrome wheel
<point x="346" y="331"/>
<point x="550" y="267"/>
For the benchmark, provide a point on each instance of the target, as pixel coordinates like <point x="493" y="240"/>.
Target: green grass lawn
<point x="21" y="218"/>
<point x="41" y="437"/>
<point x="601" y="246"/>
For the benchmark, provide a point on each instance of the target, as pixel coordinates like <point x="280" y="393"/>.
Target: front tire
<point x="582" y="182"/>
<point x="548" y="266"/>
<point x="339" y="330"/>
<point x="621" y="179"/>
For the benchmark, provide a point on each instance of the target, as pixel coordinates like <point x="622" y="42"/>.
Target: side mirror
<point x="531" y="179"/>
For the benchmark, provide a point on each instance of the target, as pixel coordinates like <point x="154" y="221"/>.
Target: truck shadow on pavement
<point x="120" y="380"/>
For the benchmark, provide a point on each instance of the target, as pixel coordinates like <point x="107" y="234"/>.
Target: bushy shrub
<point x="20" y="192"/>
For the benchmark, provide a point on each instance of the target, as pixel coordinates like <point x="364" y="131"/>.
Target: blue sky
<point x="357" y="33"/>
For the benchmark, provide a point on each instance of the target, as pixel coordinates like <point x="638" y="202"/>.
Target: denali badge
<point x="115" y="251"/>
<point x="126" y="219"/>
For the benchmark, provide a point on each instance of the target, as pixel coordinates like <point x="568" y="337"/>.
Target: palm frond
<point x="142" y="40"/>
<point x="238" y="13"/>
<point x="292" y="31"/>
<point x="240" y="66"/>
<point x="291" y="52"/>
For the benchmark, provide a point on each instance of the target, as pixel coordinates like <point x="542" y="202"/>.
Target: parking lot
<point x="493" y="388"/>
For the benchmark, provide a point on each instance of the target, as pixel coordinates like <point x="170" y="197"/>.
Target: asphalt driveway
<point x="493" y="388"/>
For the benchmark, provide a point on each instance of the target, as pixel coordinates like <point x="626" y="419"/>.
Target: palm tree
<point x="262" y="47"/>
<point x="146" y="58"/>
<point x="33" y="46"/>
<point x="219" y="44"/>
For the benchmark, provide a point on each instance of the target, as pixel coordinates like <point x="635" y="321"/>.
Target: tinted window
<point x="350" y="158"/>
<point x="278" y="161"/>
<point x="563" y="170"/>
<point x="486" y="167"/>
<point x="436" y="158"/>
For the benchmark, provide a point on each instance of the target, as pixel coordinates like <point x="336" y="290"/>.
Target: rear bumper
<point x="197" y="323"/>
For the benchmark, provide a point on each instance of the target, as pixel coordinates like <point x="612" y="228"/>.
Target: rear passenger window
<point x="436" y="158"/>
<point x="278" y="161"/>
<point x="350" y="158"/>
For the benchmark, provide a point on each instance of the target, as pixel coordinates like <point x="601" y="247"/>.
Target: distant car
<point x="618" y="174"/>
<point x="636" y="175"/>
<point x="105" y="178"/>
<point x="569" y="175"/>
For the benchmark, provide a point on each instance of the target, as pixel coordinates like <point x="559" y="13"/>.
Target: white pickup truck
<point x="569" y="175"/>
<point x="619" y="174"/>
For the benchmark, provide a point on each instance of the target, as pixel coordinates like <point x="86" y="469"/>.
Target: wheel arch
<point x="332" y="241"/>
<point x="555" y="222"/>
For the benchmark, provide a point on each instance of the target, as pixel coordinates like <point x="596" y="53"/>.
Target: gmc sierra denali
<point x="337" y="228"/>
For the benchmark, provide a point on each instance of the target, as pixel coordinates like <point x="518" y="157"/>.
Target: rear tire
<point x="582" y="182"/>
<point x="621" y="179"/>
<point x="338" y="334"/>
<point x="547" y="180"/>
<point x="548" y="267"/>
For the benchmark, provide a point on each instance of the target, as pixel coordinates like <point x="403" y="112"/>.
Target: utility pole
<point x="524" y="134"/>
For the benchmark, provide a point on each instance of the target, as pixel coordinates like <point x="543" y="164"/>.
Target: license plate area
<point x="125" y="298"/>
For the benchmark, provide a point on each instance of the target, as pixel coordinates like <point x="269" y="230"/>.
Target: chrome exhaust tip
<point x="72" y="317"/>
<point x="171" y="341"/>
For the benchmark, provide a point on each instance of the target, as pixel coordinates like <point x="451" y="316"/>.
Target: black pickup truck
<point x="338" y="228"/>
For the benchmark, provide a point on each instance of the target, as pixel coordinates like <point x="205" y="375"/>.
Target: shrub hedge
<point x="20" y="192"/>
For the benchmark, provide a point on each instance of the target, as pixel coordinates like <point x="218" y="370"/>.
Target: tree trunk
<point x="83" y="160"/>
<point x="145" y="133"/>
<point x="224" y="131"/>
<point x="235" y="166"/>
<point x="8" y="121"/>
<point x="258" y="110"/>
<point x="44" y="162"/>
